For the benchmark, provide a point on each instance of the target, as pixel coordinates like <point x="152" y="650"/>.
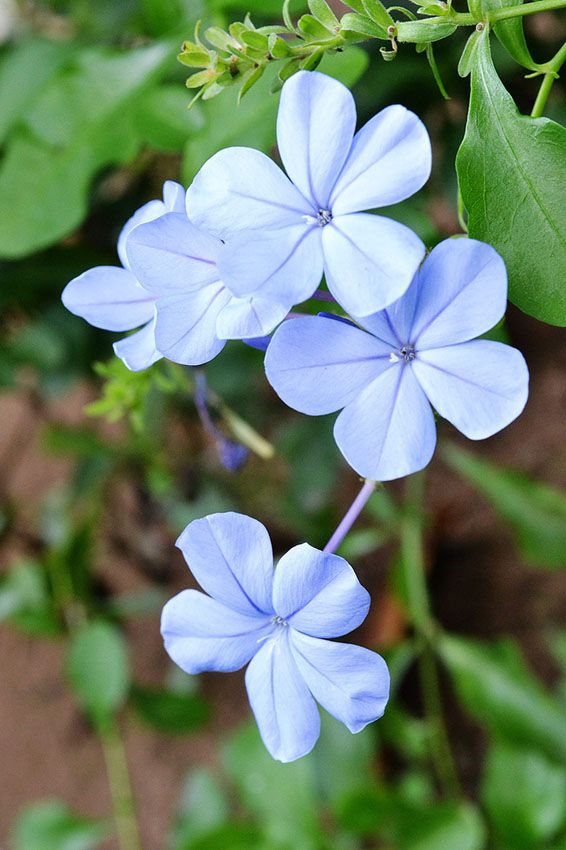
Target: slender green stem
<point x="551" y="72"/>
<point x="412" y="557"/>
<point x="465" y="19"/>
<point x="120" y="787"/>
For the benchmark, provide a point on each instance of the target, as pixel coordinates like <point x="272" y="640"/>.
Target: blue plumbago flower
<point x="196" y="312"/>
<point x="418" y="353"/>
<point x="111" y="298"/>
<point x="282" y="234"/>
<point x="279" y="620"/>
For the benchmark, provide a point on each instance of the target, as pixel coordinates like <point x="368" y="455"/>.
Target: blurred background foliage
<point x="101" y="468"/>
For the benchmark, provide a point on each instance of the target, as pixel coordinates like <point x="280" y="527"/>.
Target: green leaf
<point x="422" y="32"/>
<point x="496" y="687"/>
<point x="98" y="669"/>
<point x="323" y="13"/>
<point x="25" y="599"/>
<point x="354" y="754"/>
<point x="444" y="826"/>
<point x="311" y="27"/>
<point x="163" y="121"/>
<point x="535" y="511"/>
<point x="362" y="25"/>
<point x="281" y="796"/>
<point x="50" y="825"/>
<point x="467" y="58"/>
<point x="24" y="72"/>
<point x="202" y="808"/>
<point x="81" y="123"/>
<point x="511" y="34"/>
<point x="378" y="13"/>
<point x="524" y="795"/>
<point x="511" y="175"/>
<point x="169" y="711"/>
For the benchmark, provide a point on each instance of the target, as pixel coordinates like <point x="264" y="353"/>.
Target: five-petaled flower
<point x="283" y="234"/>
<point x="111" y="298"/>
<point x="417" y="353"/>
<point x="279" y="621"/>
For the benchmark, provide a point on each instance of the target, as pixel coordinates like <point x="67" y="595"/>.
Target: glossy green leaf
<point x="524" y="795"/>
<point x="512" y="179"/>
<point x="422" y="32"/>
<point x="281" y="796"/>
<point x="82" y="122"/>
<point x="169" y="711"/>
<point x="511" y="34"/>
<point x="50" y="825"/>
<point x="495" y="686"/>
<point x="535" y="511"/>
<point x="98" y="671"/>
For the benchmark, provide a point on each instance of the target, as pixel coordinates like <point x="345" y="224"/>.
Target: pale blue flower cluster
<point x="229" y="260"/>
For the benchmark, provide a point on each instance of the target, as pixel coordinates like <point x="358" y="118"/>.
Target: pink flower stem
<point x="350" y="516"/>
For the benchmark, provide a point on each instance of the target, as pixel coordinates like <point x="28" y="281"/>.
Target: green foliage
<point x="168" y="711"/>
<point x="50" y="825"/>
<point x="535" y="511"/>
<point x="290" y="823"/>
<point x="509" y="171"/>
<point x="202" y="809"/>
<point x="525" y="796"/>
<point x="25" y="599"/>
<point x="496" y="687"/>
<point x="98" y="670"/>
<point x="82" y="121"/>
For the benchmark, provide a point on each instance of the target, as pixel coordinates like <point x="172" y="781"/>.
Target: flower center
<point x="406" y="352"/>
<point x="323" y="217"/>
<point x="279" y="621"/>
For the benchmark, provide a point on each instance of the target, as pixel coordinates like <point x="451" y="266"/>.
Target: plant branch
<point x="120" y="787"/>
<point x="551" y="70"/>
<point x="413" y="564"/>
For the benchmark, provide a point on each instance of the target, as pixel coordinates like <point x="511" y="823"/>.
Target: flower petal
<point x="350" y="682"/>
<point x="185" y="329"/>
<point x="170" y="255"/>
<point x="318" y="365"/>
<point x="389" y="161"/>
<point x="315" y="126"/>
<point x="138" y="350"/>
<point x="479" y="386"/>
<point x="174" y="196"/>
<point x="285" y="712"/>
<point x="369" y="261"/>
<point x="110" y="298"/>
<point x="241" y="189"/>
<point x="252" y="316"/>
<point x="394" y="324"/>
<point x="284" y="265"/>
<point x="462" y="293"/>
<point x="173" y="201"/>
<point x="202" y="634"/>
<point x="318" y="593"/>
<point x="388" y="431"/>
<point x="230" y="556"/>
